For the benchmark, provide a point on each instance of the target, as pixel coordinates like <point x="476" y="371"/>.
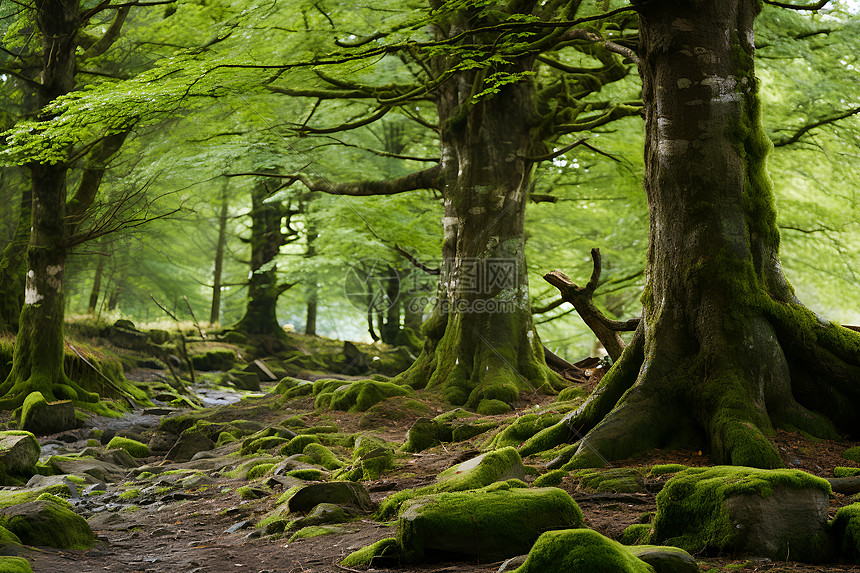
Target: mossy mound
<point x="316" y="531"/>
<point x="617" y="480"/>
<point x="214" y="359"/>
<point x="323" y="456"/>
<point x="842" y="472"/>
<point x="44" y="522"/>
<point x="453" y="426"/>
<point x="356" y="396"/>
<point x="845" y="529"/>
<point x="133" y="447"/>
<point x="492" y="523"/>
<point x="551" y="478"/>
<point x="852" y="454"/>
<point x="580" y="550"/>
<point x="383" y="552"/>
<point x="663" y="469"/>
<point x="740" y="510"/>
<point x="15" y="565"/>
<point x="19" y="453"/>
<point x="289" y="388"/>
<point x="42" y="418"/>
<point x="503" y="465"/>
<point x="371" y="456"/>
<point x="636" y="534"/>
<point x="523" y="428"/>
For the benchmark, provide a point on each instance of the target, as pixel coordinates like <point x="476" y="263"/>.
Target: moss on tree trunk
<point x="481" y="346"/>
<point x="725" y="353"/>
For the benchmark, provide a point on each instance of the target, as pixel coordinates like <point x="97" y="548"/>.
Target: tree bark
<point x="215" y="309"/>
<point x="481" y="344"/>
<point x="260" y="316"/>
<point x="725" y="352"/>
<point x="13" y="268"/>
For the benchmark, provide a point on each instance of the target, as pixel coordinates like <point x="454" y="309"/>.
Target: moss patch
<point x="383" y="552"/>
<point x="133" y="447"/>
<point x="15" y="565"/>
<point x="580" y="550"/>
<point x="44" y="522"/>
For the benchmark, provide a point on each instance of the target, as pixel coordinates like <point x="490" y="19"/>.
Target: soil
<point x="209" y="528"/>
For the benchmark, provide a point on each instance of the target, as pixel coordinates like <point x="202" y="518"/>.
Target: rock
<point x="580" y="550"/>
<point x="665" y="559"/>
<point x="104" y="471"/>
<point x="426" y="433"/>
<point x="19" y="452"/>
<point x="244" y="380"/>
<point x="44" y="522"/>
<point x="10" y="544"/>
<point x="239" y="525"/>
<point x="512" y="563"/>
<point x="342" y="493"/>
<point x="744" y="511"/>
<point x="489" y="524"/>
<point x="42" y="418"/>
<point x="500" y="465"/>
<point x="383" y="552"/>
<point x="119" y="457"/>
<point x="845" y="528"/>
<point x="324" y="513"/>
<point x="189" y="443"/>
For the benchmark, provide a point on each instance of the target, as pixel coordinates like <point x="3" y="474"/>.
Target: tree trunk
<point x="37" y="363"/>
<point x="481" y="345"/>
<point x="13" y="268"/>
<point x="215" y="310"/>
<point x="312" y="287"/>
<point x="263" y="291"/>
<point x="725" y="352"/>
<point x="97" y="282"/>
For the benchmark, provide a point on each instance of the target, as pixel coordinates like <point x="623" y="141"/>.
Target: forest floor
<point x="207" y="527"/>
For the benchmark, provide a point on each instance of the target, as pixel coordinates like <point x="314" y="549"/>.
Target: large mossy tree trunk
<point x="725" y="353"/>
<point x="260" y="318"/>
<point x="481" y="346"/>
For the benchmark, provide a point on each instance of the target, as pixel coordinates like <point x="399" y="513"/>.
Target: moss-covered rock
<point x="498" y="466"/>
<point x="665" y="559"/>
<point x="371" y="456"/>
<point x="663" y="469"/>
<point x="10" y="544"/>
<point x="492" y="523"/>
<point x="298" y="444"/>
<point x="842" y="472"/>
<point x="523" y="428"/>
<point x="19" y="452"/>
<point x="852" y="454"/>
<point x="13" y="564"/>
<point x="636" y="534"/>
<point x="580" y="550"/>
<point x="214" y="359"/>
<point x="492" y="407"/>
<point x="42" y="418"/>
<point x="316" y="531"/>
<point x="382" y="553"/>
<point x="616" y="480"/>
<point x="356" y="396"/>
<point x="845" y="529"/>
<point x="44" y="522"/>
<point x="323" y="456"/>
<point x="765" y="513"/>
<point x="551" y="478"/>
<point x="133" y="447"/>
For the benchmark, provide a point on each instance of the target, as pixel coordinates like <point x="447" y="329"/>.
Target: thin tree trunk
<point x="13" y="270"/>
<point x="215" y="310"/>
<point x="97" y="282"/>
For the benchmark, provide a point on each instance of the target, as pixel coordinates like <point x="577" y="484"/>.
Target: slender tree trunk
<point x="312" y="287"/>
<point x="215" y="310"/>
<point x="481" y="346"/>
<point x="725" y="352"/>
<point x="263" y="290"/>
<point x="97" y="281"/>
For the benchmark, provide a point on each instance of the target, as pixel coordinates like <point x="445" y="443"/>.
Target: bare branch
<point x="425" y="179"/>
<point x="801" y="131"/>
<point x="416" y="262"/>
<point x="817" y="6"/>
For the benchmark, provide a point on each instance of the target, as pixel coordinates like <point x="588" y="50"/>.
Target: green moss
<point x="572" y="393"/>
<point x="298" y="444"/>
<point x="307" y="474"/>
<point x="15" y="565"/>
<point x="492" y="407"/>
<point x="46" y="496"/>
<point x="315" y="531"/>
<point x="258" y="471"/>
<point x="56" y="526"/>
<point x="551" y="478"/>
<point x="842" y="472"/>
<point x="322" y="456"/>
<point x="636" y="534"/>
<point x="129" y="494"/>
<point x="580" y="550"/>
<point x="663" y="469"/>
<point x="617" y="480"/>
<point x="264" y="443"/>
<point x="384" y="550"/>
<point x="242" y="470"/>
<point x="696" y="496"/>
<point x="133" y="447"/>
<point x="845" y="528"/>
<point x="852" y="454"/>
<point x="246" y="492"/>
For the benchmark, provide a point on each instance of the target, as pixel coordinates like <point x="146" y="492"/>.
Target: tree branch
<point x="425" y="179"/>
<point x="416" y="262"/>
<point x="816" y="6"/>
<point x="801" y="131"/>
